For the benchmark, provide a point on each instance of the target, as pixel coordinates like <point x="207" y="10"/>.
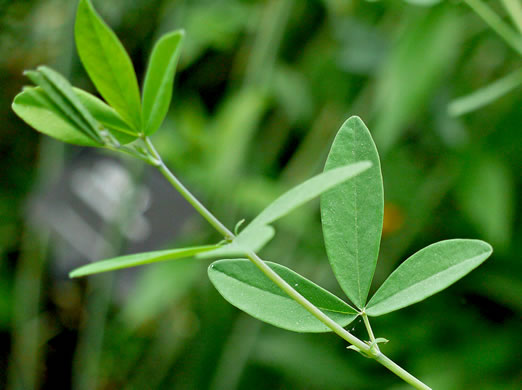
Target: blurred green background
<point x="261" y="89"/>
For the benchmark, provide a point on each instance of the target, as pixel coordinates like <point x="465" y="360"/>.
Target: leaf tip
<point x="355" y="118"/>
<point x="487" y="246"/>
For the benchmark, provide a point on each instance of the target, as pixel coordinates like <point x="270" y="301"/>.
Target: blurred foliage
<point x="261" y="90"/>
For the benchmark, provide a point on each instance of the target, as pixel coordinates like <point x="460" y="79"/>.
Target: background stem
<point x="514" y="9"/>
<point x="497" y="24"/>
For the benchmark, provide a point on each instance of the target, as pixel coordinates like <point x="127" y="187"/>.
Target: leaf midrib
<point x="361" y="301"/>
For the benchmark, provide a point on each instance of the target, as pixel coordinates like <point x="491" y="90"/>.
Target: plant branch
<point x="200" y="208"/>
<point x="497" y="24"/>
<point x="280" y="282"/>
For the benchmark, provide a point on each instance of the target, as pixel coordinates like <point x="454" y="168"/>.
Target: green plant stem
<point x="400" y="372"/>
<point x="216" y="223"/>
<point x="514" y="8"/>
<point x="497" y="24"/>
<point x="369" y="328"/>
<point x="280" y="282"/>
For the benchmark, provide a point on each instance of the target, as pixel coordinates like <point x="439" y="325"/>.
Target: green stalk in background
<point x="497" y="24"/>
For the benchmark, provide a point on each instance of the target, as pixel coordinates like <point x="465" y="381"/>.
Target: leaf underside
<point x="352" y="213"/>
<point x="427" y="272"/>
<point x="242" y="284"/>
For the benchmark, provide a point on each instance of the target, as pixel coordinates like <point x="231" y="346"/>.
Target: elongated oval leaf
<point x="308" y="190"/>
<point x="138" y="259"/>
<point x="157" y="90"/>
<point x="107" y="63"/>
<point x="243" y="285"/>
<point x="427" y="272"/>
<point x="352" y="213"/>
<point x="35" y="108"/>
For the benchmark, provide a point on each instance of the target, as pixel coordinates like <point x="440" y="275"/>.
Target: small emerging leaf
<point x="242" y="284"/>
<point x="138" y="259"/>
<point x="427" y="272"/>
<point x="157" y="90"/>
<point x="107" y="63"/>
<point x="352" y="213"/>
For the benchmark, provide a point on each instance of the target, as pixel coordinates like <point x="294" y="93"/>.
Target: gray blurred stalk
<point x="86" y="362"/>
<point x="28" y="327"/>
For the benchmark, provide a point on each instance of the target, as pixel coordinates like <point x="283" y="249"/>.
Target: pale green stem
<point x="400" y="372"/>
<point x="514" y="9"/>
<point x="368" y="327"/>
<point x="497" y="24"/>
<point x="216" y="223"/>
<point x="280" y="282"/>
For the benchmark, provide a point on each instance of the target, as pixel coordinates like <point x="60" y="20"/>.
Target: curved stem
<point x="280" y="282"/>
<point x="200" y="208"/>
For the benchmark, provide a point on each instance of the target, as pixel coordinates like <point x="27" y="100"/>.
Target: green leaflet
<point x="38" y="111"/>
<point x="107" y="63"/>
<point x="59" y="91"/>
<point x="243" y="285"/>
<point x="352" y="213"/>
<point x="157" y="89"/>
<point x="427" y="272"/>
<point x="138" y="259"/>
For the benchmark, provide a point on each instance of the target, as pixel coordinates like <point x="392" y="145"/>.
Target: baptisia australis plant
<point x="351" y="192"/>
